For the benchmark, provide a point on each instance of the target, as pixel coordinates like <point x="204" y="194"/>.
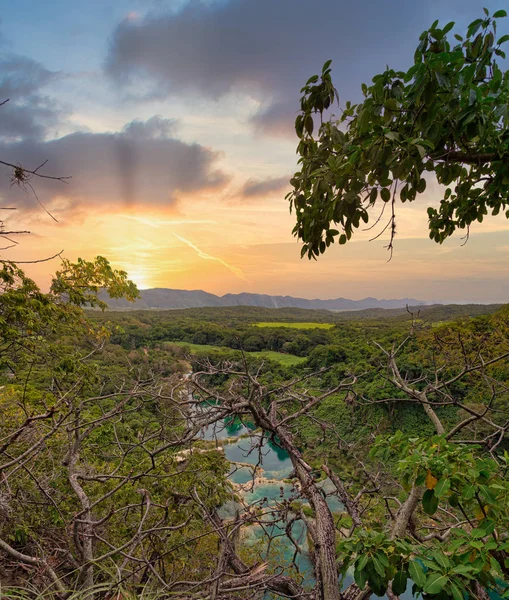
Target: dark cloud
<point x="155" y="128"/>
<point x="142" y="164"/>
<point x="254" y="188"/>
<point x="268" y="48"/>
<point x="29" y="112"/>
<point x="277" y="119"/>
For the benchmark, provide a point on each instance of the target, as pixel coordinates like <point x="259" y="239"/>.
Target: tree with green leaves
<point x="447" y="118"/>
<point x="90" y="472"/>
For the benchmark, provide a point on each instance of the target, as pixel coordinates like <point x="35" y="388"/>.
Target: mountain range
<point x="164" y="298"/>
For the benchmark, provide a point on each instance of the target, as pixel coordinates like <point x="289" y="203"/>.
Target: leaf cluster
<point x="446" y="118"/>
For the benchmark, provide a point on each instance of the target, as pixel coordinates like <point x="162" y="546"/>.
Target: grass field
<point x="296" y="325"/>
<point x="200" y="348"/>
<point x="288" y="360"/>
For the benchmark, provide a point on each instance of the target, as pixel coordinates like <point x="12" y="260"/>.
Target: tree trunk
<point x="432" y="415"/>
<point x="405" y="514"/>
<point x="87" y="529"/>
<point x="480" y="592"/>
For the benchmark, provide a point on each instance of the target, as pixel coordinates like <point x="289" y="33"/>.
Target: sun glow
<point x="139" y="278"/>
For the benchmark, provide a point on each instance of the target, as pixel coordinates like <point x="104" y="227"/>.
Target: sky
<point x="174" y="119"/>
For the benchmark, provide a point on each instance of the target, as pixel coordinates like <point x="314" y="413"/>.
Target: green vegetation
<point x="102" y="391"/>
<point x="288" y="360"/>
<point x="296" y="325"/>
<point x="200" y="348"/>
<point x="86" y="438"/>
<point x="446" y="116"/>
<point x="250" y="315"/>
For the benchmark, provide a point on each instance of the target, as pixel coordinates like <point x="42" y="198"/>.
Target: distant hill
<point x="163" y="298"/>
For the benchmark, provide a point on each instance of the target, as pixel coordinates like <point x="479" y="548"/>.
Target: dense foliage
<point x="81" y="431"/>
<point x="446" y="118"/>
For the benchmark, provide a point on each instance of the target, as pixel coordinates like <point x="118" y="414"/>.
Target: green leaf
<point x="442" y="559"/>
<point x="500" y="14"/>
<point x="495" y="565"/>
<point x="382" y="558"/>
<point x="299" y="126"/>
<point x="421" y="149"/>
<point x="308" y="123"/>
<point x="480" y="532"/>
<point x="443" y="82"/>
<point x="456" y="592"/>
<point x="473" y="28"/>
<point x="488" y="526"/>
<point x="416" y="573"/>
<point x="380" y="569"/>
<point x="429" y="502"/>
<point x="503" y="39"/>
<point x="462" y="570"/>
<point x="435" y="583"/>
<point x="362" y="561"/>
<point x="377" y="584"/>
<point x="385" y="194"/>
<point x="360" y="576"/>
<point x="448" y="27"/>
<point x="399" y="582"/>
<point x="442" y="487"/>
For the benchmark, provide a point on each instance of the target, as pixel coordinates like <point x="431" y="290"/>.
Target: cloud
<point x="29" y="114"/>
<point x="155" y="128"/>
<point x="254" y="188"/>
<point x="277" y="119"/>
<point x="267" y="49"/>
<point x="143" y="164"/>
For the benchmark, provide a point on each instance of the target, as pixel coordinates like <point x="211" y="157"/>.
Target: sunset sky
<point x="175" y="120"/>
